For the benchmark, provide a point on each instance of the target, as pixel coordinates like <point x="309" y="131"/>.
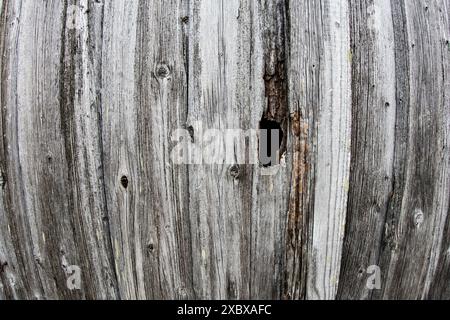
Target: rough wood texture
<point x="93" y="90"/>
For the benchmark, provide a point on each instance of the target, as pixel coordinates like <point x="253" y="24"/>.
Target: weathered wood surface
<point x="92" y="90"/>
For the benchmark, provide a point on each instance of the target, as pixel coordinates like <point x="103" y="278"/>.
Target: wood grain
<point x="92" y="92"/>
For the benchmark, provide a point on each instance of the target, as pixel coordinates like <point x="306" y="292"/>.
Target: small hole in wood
<point x="270" y="140"/>
<point x="124" y="181"/>
<point x="191" y="133"/>
<point x="150" y="249"/>
<point x="3" y="266"/>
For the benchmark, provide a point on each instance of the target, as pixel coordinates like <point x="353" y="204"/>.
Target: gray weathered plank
<point x="320" y="103"/>
<point x="418" y="211"/>
<point x="144" y="99"/>
<point x="373" y="140"/>
<point x="92" y="93"/>
<point x="399" y="192"/>
<point x="52" y="195"/>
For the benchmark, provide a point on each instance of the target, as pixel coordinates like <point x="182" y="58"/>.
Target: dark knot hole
<point x="270" y="142"/>
<point x="124" y="181"/>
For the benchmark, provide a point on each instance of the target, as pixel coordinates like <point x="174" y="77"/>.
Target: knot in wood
<point x="418" y="218"/>
<point x="235" y="171"/>
<point x="162" y="71"/>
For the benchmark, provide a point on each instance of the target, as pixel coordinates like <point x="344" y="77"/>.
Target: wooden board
<point x="94" y="94"/>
